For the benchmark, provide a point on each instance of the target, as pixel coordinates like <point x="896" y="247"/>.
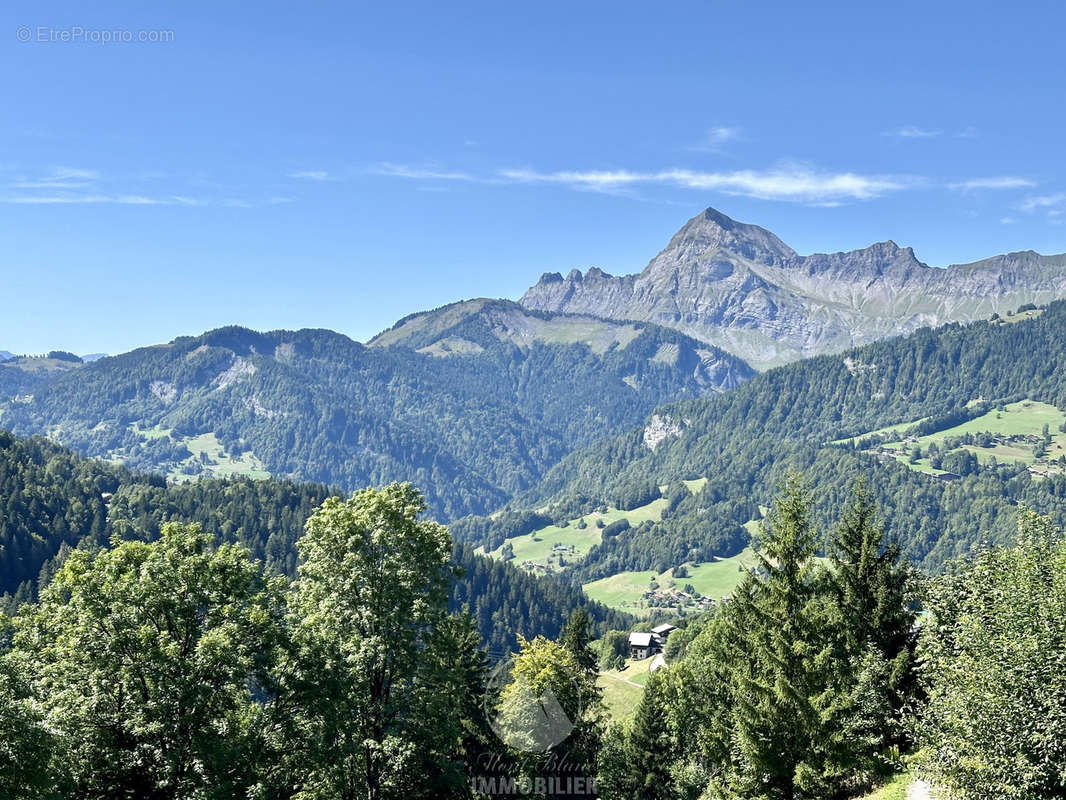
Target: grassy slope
<point x="219" y="463"/>
<point x="1025" y="418"/>
<point x="626" y="589"/>
<point x="537" y="546"/>
<point x="620" y="696"/>
<point x="895" y="789"/>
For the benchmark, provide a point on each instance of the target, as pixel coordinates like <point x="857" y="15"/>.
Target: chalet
<point x="657" y="663"/>
<point x="642" y="645"/>
<point x="661" y="632"/>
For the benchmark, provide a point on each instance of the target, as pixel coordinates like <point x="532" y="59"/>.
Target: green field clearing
<point x="150" y="433"/>
<point x="620" y="699"/>
<point x="40" y="364"/>
<point x="218" y="463"/>
<point x="716" y="579"/>
<point x="1024" y="418"/>
<point x="620" y="696"/>
<point x="1010" y="319"/>
<point x="891" y="430"/>
<point x="538" y="545"/>
<point x="695" y="486"/>
<point x="225" y="465"/>
<point x="623" y="590"/>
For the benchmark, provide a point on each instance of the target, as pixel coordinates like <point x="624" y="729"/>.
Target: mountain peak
<point x="711" y="237"/>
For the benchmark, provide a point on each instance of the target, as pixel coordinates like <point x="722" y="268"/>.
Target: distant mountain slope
<point x="471" y="430"/>
<point x="737" y="446"/>
<point x="20" y="375"/>
<point x="5" y="355"/>
<point x="740" y="287"/>
<point x="471" y="327"/>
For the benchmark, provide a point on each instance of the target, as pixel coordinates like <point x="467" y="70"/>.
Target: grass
<point x="695" y="486"/>
<point x="1024" y="418"/>
<point x="537" y="546"/>
<point x="225" y="465"/>
<point x="891" y="430"/>
<point x="619" y="698"/>
<point x="625" y="590"/>
<point x="622" y="591"/>
<point x="41" y="364"/>
<point x="151" y="433"/>
<point x="452" y="346"/>
<point x="219" y="462"/>
<point x="717" y="578"/>
<point x="1010" y="319"/>
<point x="895" y="789"/>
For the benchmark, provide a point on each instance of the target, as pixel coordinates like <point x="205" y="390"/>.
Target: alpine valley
<point x="619" y="480"/>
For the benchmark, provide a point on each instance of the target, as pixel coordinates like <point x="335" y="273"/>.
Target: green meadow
<point x="539" y="545"/>
<point x="716" y="579"/>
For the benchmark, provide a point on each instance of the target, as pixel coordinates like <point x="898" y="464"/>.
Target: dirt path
<point x="621" y="680"/>
<point x="919" y="790"/>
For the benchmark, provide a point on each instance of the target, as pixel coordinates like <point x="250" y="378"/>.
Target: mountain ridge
<point x="470" y="424"/>
<point x="739" y="287"/>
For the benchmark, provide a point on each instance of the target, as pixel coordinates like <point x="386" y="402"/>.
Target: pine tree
<point x="648" y="744"/>
<point x="576" y="637"/>
<point x="870" y="579"/>
<point x="775" y="672"/>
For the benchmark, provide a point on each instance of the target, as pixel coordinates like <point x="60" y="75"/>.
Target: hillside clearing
<point x="545" y="547"/>
<point x="1009" y="433"/>
<point x="627" y="591"/>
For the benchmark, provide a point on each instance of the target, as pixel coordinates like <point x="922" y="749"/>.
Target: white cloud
<point x="72" y="173"/>
<point x="91" y="199"/>
<point x="1007" y="220"/>
<point x="1048" y="201"/>
<point x="87" y="187"/>
<point x="1004" y="182"/>
<point x="312" y="175"/>
<point x="716" y="137"/>
<point x="795" y="183"/>
<point x="914" y="132"/>
<point x="58" y="178"/>
<point x="420" y="173"/>
<point x="49" y="184"/>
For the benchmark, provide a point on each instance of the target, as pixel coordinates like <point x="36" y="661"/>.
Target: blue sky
<point x="342" y="166"/>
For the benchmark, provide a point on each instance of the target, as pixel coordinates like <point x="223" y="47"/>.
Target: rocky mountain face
<point x="739" y="287"/>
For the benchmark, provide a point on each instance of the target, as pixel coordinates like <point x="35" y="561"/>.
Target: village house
<point x="641" y="646"/>
<point x="646" y="644"/>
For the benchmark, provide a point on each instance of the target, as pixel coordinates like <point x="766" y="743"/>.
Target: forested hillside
<point x="801" y="417"/>
<point x="52" y="500"/>
<point x="473" y="428"/>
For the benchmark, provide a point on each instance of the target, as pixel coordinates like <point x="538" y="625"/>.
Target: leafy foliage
<point x="141" y="654"/>
<point x="992" y="651"/>
<point x="177" y="669"/>
<point x="54" y="500"/>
